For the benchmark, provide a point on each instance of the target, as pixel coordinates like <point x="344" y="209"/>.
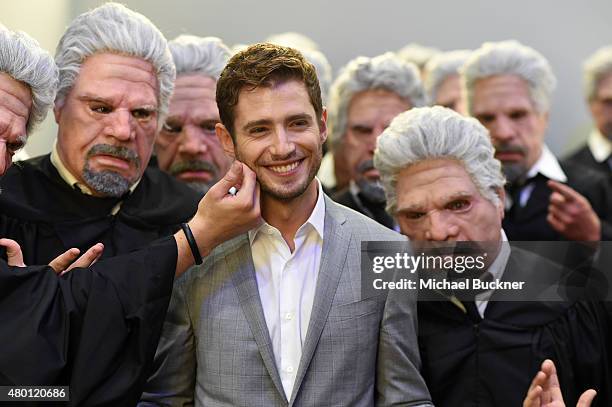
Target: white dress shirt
<point x="547" y="165"/>
<point x="600" y="146"/>
<point x="286" y="283"/>
<point x="496" y="269"/>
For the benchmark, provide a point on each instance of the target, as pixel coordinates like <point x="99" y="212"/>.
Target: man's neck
<point x="288" y="215"/>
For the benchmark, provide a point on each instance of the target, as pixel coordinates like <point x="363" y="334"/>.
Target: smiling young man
<point x="275" y="317"/>
<point x="115" y="79"/>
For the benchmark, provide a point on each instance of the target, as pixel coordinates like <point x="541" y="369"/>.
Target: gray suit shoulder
<point x="362" y="226"/>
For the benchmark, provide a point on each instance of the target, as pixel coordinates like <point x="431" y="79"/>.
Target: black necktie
<point x="514" y="192"/>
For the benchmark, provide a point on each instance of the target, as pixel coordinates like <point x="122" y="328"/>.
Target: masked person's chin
<point x="373" y="190"/>
<point x="107" y="183"/>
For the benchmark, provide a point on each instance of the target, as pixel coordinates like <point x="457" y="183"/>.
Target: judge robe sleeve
<point x="95" y="330"/>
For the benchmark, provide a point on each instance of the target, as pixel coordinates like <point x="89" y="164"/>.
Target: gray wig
<point x="437" y="133"/>
<point x="116" y="29"/>
<point x="206" y="56"/>
<point x="510" y="58"/>
<point x="23" y="59"/>
<point x="386" y="71"/>
<point x="595" y="69"/>
<point x="440" y="67"/>
<point x="417" y="54"/>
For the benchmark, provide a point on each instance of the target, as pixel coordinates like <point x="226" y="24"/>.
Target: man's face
<point x="278" y="135"/>
<point x="438" y="201"/>
<point x="369" y="113"/>
<point x="187" y="146"/>
<point x="15" y="105"/>
<point x="449" y="94"/>
<point x="108" y="121"/>
<point x="601" y="106"/>
<point x="503" y="105"/>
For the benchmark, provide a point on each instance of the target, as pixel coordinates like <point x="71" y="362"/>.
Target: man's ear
<point x="226" y="140"/>
<point x="57" y="111"/>
<point x="501" y="193"/>
<point x="323" y="126"/>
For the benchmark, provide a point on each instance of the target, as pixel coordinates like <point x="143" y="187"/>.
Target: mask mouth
<point x="107" y="182"/>
<point x="193" y="165"/>
<point x="367" y="170"/>
<point x="120" y="152"/>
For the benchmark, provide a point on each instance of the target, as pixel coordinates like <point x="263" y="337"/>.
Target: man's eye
<point x="362" y="130"/>
<point x="257" y="130"/>
<point x="300" y="123"/>
<point x="607" y="102"/>
<point x="414" y="215"/>
<point x="208" y="127"/>
<point x="519" y="114"/>
<point x="101" y="109"/>
<point x="458" y="205"/>
<point x="485" y="118"/>
<point x="171" y="128"/>
<point x="142" y="114"/>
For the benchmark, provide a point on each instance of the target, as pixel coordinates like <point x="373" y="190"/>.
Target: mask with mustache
<point x="196" y="165"/>
<point x="371" y="189"/>
<point x="514" y="171"/>
<point x="107" y="182"/>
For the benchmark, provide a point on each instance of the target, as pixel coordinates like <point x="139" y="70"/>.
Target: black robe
<point x="584" y="157"/>
<point x="373" y="210"/>
<point x="529" y="222"/>
<point x="47" y="216"/>
<point x="95" y="330"/>
<point x="469" y="361"/>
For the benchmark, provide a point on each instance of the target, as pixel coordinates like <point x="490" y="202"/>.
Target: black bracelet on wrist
<point x="192" y="243"/>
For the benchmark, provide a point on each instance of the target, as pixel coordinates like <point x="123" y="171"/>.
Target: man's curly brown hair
<point x="264" y="65"/>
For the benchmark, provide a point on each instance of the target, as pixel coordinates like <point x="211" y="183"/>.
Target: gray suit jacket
<point x="215" y="349"/>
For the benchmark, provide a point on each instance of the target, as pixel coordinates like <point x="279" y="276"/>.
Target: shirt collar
<point x="71" y="179"/>
<point x="499" y="264"/>
<point x="316" y="219"/>
<point x="600" y="146"/>
<point x="547" y="165"/>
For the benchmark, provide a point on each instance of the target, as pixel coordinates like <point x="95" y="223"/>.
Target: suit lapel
<point x="333" y="257"/>
<point x="248" y="294"/>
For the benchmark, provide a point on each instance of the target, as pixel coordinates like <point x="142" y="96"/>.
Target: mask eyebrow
<point x="94" y="98"/>
<point x="418" y="207"/>
<point x="412" y="207"/>
<point x="89" y="98"/>
<point x="12" y="103"/>
<point x="457" y="195"/>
